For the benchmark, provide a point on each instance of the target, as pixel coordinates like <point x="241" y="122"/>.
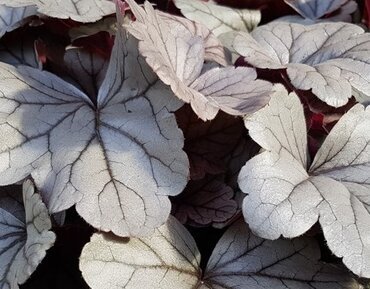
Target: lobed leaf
<point x="177" y="55"/>
<point x="170" y="258"/>
<point x="333" y="63"/>
<point x="286" y="196"/>
<point x="207" y="144"/>
<point x="117" y="160"/>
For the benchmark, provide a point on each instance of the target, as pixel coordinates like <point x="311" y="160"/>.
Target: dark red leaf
<point x="207" y="143"/>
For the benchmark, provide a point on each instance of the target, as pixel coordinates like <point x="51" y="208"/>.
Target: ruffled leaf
<point x="177" y="55"/>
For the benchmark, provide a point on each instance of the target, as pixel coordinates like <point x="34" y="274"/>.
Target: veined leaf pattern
<point x="25" y="235"/>
<point x="117" y="160"/>
<point x="170" y="259"/>
<point x="287" y="194"/>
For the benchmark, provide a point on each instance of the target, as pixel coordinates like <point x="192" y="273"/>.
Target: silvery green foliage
<point x="118" y="160"/>
<point x="287" y="194"/>
<point x="12" y="18"/>
<point x="219" y="19"/>
<point x="170" y="259"/>
<point x="331" y="59"/>
<point x="177" y="57"/>
<point x="24" y="235"/>
<point x="316" y="9"/>
<point x="78" y="10"/>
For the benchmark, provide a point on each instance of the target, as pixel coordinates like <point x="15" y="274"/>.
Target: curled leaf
<point x="25" y="235"/>
<point x="84" y="69"/>
<point x="177" y="56"/>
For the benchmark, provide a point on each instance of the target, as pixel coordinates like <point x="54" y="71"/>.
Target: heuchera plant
<point x="201" y="145"/>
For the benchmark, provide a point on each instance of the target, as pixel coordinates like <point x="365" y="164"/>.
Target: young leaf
<point x="177" y="58"/>
<point x="328" y="58"/>
<point x="117" y="159"/>
<point x="207" y="144"/>
<point x="219" y="19"/>
<point x="317" y="9"/>
<point x="78" y="10"/>
<point x="12" y="18"/>
<point x="24" y="235"/>
<point x="286" y="196"/>
<point x="206" y="202"/>
<point x="170" y="259"/>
